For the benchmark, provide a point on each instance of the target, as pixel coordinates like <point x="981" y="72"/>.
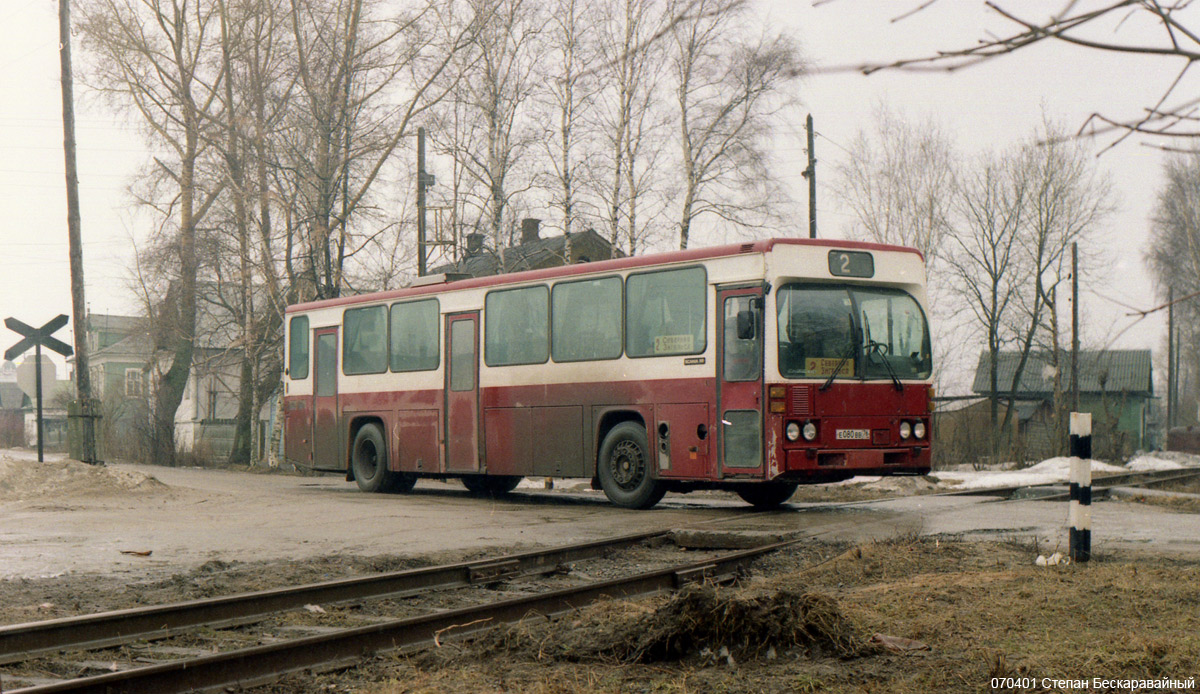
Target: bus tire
<point x="368" y="459"/>
<point x="624" y="468"/>
<point x="491" y="485"/>
<point x="399" y="483"/>
<point x="768" y="494"/>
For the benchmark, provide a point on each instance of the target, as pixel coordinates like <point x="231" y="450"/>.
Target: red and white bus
<point x="752" y="368"/>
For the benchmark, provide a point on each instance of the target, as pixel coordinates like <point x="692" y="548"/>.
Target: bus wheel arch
<point x="369" y="459"/>
<point x="625" y="469"/>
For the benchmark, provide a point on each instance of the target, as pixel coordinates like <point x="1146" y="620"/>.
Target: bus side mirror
<point x="746" y="329"/>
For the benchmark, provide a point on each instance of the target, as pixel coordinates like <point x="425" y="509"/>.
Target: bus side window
<point x="364" y="341"/>
<point x="517" y="326"/>
<point x="586" y="319"/>
<point x="298" y="340"/>
<point x="415" y="344"/>
<point x="665" y="313"/>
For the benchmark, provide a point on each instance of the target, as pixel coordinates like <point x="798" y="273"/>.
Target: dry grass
<point x="984" y="609"/>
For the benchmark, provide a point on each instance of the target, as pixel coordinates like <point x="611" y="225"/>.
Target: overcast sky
<point x="990" y="105"/>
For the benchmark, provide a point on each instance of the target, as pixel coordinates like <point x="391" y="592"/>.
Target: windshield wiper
<point x="850" y="350"/>
<point x="880" y="349"/>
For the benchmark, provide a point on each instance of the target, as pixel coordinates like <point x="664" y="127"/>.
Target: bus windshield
<point x="851" y="331"/>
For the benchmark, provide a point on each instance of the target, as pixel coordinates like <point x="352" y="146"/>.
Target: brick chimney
<point x="529" y="230"/>
<point x="474" y="244"/>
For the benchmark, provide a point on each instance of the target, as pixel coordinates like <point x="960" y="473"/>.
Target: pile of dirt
<point x="702" y="621"/>
<point x="706" y="617"/>
<point x="26" y="479"/>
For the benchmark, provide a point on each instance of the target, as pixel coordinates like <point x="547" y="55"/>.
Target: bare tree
<point x="346" y="122"/>
<point x="630" y="118"/>
<point x="1174" y="258"/>
<point x="569" y="93"/>
<point x="1094" y="25"/>
<point x="1067" y="200"/>
<point x="728" y="89"/>
<point x="493" y="90"/>
<point x="898" y="182"/>
<point x="155" y="58"/>
<point x="984" y="257"/>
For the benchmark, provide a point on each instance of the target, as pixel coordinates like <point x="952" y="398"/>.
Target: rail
<point x="263" y="664"/>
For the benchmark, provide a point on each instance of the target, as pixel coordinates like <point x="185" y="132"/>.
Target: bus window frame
<point x="308" y="347"/>
<point x="387" y="340"/>
<point x="704" y="312"/>
<point x="483" y="336"/>
<point x="437" y="327"/>
<point x="621" y="318"/>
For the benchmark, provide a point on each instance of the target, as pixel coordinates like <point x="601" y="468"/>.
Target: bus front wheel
<point x="624" y="468"/>
<point x="368" y="460"/>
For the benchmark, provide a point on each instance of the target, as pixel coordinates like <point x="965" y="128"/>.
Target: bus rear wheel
<point x="767" y="494"/>
<point x="624" y="468"/>
<point x="368" y="461"/>
<point x="492" y="485"/>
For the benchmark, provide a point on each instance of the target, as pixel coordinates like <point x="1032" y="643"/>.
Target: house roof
<point x="138" y="345"/>
<point x="527" y="256"/>
<point x="115" y="323"/>
<point x="11" y="396"/>
<point x="1100" y="371"/>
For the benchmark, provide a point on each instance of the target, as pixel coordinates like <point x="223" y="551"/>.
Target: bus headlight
<point x="793" y="431"/>
<point x="919" y="430"/>
<point x="810" y="431"/>
<point x="905" y="430"/>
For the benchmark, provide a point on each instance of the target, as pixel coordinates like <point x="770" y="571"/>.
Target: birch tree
<point x="728" y="89"/>
<point x="569" y="94"/>
<point x="630" y="118"/>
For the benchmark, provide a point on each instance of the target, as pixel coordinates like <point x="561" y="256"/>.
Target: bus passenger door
<point x="462" y="392"/>
<point x="328" y="453"/>
<point x="740" y="381"/>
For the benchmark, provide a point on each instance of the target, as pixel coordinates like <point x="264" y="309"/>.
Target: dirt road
<point x="63" y="518"/>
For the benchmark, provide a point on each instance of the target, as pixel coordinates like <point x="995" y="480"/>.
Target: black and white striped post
<point x="1080" y="513"/>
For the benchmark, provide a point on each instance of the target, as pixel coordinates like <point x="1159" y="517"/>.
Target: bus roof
<point x="596" y="266"/>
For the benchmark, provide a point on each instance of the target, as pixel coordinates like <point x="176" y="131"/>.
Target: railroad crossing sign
<point x="36" y="337"/>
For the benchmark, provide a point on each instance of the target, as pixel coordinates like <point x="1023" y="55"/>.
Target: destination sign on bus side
<point x="816" y="366"/>
<point x="674" y="344"/>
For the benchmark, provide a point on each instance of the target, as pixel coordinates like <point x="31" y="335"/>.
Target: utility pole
<point x="1074" y="327"/>
<point x="1170" y="358"/>
<point x="811" y="174"/>
<point x="420" y="202"/>
<point x="83" y="386"/>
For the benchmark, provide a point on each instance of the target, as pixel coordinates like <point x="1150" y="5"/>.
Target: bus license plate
<point x="853" y="434"/>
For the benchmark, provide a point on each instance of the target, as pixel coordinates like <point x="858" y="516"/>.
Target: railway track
<point x="329" y="647"/>
<point x="1127" y="479"/>
<point x="22" y="641"/>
